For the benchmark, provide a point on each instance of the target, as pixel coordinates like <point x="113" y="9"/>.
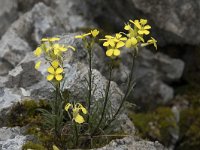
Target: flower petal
<point x="78" y="37"/>
<point x="143" y="21"/>
<point x="94" y="32"/>
<point x="79" y="119"/>
<point x="51" y="70"/>
<point x="127" y="27"/>
<point x="59" y="70"/>
<point x="137" y="24"/>
<point x="120" y="44"/>
<point x="133" y="41"/>
<point x="116" y="52"/>
<point x="50" y="77"/>
<point x="82" y="108"/>
<point x="38" y="52"/>
<point x="55" y="64"/>
<point x="105" y="44"/>
<point x="68" y="106"/>
<point x="118" y="35"/>
<point x="146" y="32"/>
<point x="128" y="43"/>
<point x="111" y="42"/>
<point x="56" y="51"/>
<point x="147" y="27"/>
<point x="59" y="77"/>
<point x="109" y="52"/>
<point x="37" y="65"/>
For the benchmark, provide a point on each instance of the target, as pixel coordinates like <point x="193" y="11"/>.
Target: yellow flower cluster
<point x="136" y="30"/>
<point x="113" y="44"/>
<point x="53" y="54"/>
<point x="76" y="109"/>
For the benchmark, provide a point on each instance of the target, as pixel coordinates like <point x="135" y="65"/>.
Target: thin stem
<point x="77" y="136"/>
<point x="128" y="89"/>
<point x="105" y="99"/>
<point x="89" y="83"/>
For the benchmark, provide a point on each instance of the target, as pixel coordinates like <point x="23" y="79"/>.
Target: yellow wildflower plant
<point x="76" y="109"/>
<point x="55" y="72"/>
<point x="94" y="33"/>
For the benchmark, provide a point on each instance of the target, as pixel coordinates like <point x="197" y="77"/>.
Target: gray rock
<point x="5" y="67"/>
<point x="73" y="13"/>
<point x="131" y="143"/>
<point x="8" y="13"/>
<point x="34" y="83"/>
<point x="174" y="21"/>
<point x="25" y="33"/>
<point x="8" y="97"/>
<point x="164" y="68"/>
<point x="152" y="74"/>
<point x="11" y="138"/>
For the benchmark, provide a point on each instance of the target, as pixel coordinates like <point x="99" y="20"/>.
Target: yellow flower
<point x="112" y="52"/>
<point x="76" y="108"/>
<point x="94" y="32"/>
<point x="127" y="27"/>
<point x="153" y="41"/>
<point x="58" y="49"/>
<point x="132" y="41"/>
<point x="83" y="35"/>
<point x="113" y="44"/>
<point x="38" y="51"/>
<point x="53" y="39"/>
<point x="141" y="25"/>
<point x="37" y="65"/>
<point x="109" y="41"/>
<point x="119" y="40"/>
<point x="55" y="71"/>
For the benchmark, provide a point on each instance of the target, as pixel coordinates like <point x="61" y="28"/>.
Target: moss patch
<point x="155" y="125"/>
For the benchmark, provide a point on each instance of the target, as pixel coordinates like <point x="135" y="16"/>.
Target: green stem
<point x="90" y="83"/>
<point x="128" y="89"/>
<point x="77" y="137"/>
<point x="105" y="99"/>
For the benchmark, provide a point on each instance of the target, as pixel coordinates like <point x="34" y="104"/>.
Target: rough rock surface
<point x="11" y="138"/>
<point x="152" y="73"/>
<point x="73" y="13"/>
<point x="8" y="13"/>
<point x="177" y="21"/>
<point x="130" y="143"/>
<point x="27" y="31"/>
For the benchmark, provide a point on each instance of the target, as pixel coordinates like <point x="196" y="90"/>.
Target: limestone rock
<point x="173" y="21"/>
<point x="11" y="138"/>
<point x="25" y="33"/>
<point x="131" y="143"/>
<point x="8" y="14"/>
